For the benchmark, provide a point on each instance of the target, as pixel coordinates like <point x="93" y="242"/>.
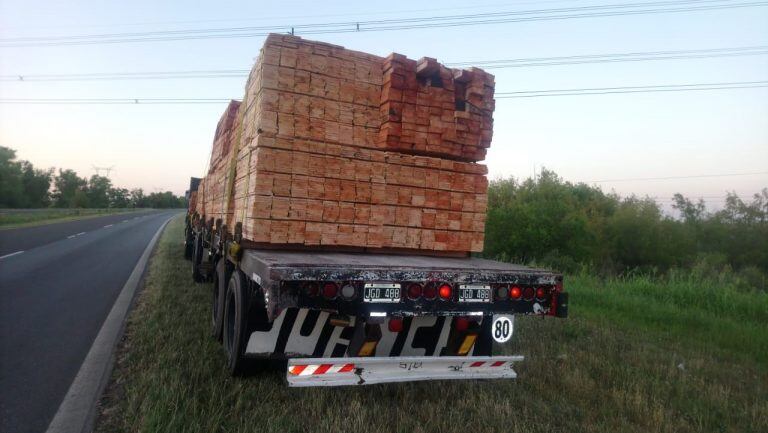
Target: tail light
<point x="445" y="291"/>
<point x="395" y="325"/>
<point x="348" y="291"/>
<point x="542" y="293"/>
<point x="502" y="292"/>
<point x="528" y="293"/>
<point x="430" y="291"/>
<point x="515" y="292"/>
<point x="311" y="289"/>
<point x="330" y="290"/>
<point x="414" y="291"/>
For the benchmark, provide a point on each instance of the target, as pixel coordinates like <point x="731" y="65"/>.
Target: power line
<point x="609" y="10"/>
<point x="112" y="101"/>
<point x="486" y="64"/>
<point x="299" y="17"/>
<point x="632" y="89"/>
<point x="369" y="22"/>
<point x="616" y="57"/>
<point x="639" y="179"/>
<point x="503" y="95"/>
<point x="105" y="76"/>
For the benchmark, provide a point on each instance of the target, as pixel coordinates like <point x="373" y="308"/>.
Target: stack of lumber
<point x="192" y="205"/>
<point x="220" y="167"/>
<point x="337" y="147"/>
<point x="200" y="207"/>
<point x="433" y="110"/>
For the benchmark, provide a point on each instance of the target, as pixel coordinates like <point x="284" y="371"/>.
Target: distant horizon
<point x="665" y="203"/>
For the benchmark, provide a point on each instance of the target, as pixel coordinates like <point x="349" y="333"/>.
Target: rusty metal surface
<point x="302" y="259"/>
<point x="278" y="273"/>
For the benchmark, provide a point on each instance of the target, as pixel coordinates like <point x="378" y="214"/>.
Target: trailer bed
<point x="280" y="275"/>
<point x="286" y="264"/>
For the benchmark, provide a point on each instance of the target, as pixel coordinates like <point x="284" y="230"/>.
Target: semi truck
<point x="360" y="317"/>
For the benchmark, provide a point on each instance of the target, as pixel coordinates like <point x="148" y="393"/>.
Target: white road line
<point x="71" y="236"/>
<point x="10" y="255"/>
<point x="108" y="226"/>
<point x="81" y="233"/>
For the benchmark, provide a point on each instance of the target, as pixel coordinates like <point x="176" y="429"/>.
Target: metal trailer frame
<point x="274" y="279"/>
<point x="272" y="269"/>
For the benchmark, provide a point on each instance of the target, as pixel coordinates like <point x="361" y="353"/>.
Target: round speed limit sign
<point x="502" y="328"/>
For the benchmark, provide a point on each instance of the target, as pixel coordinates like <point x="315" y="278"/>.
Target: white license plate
<point x="381" y="292"/>
<point x="474" y="293"/>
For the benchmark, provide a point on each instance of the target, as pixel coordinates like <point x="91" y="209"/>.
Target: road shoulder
<point x="77" y="410"/>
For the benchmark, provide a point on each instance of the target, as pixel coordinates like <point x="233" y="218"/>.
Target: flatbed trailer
<point x="346" y="318"/>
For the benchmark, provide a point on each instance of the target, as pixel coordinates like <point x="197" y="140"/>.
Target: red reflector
<point x="414" y="291"/>
<point x="477" y="364"/>
<point x="430" y="291"/>
<point x="461" y="324"/>
<point x="347" y="368"/>
<point x="528" y="293"/>
<point x="395" y="325"/>
<point x="515" y="292"/>
<point x="445" y="291"/>
<point x="330" y="290"/>
<point x="541" y="293"/>
<point x="498" y="363"/>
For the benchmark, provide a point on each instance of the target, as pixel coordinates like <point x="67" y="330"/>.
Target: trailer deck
<point x="308" y="265"/>
<point x="282" y="276"/>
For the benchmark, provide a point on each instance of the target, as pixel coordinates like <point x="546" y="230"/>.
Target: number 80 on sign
<point x="502" y="327"/>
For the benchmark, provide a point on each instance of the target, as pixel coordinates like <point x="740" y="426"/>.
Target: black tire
<point x="235" y="323"/>
<point x="219" y="289"/>
<point x="189" y="245"/>
<point x="197" y="259"/>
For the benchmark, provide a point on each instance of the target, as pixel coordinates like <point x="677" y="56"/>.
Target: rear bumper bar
<point x="368" y="371"/>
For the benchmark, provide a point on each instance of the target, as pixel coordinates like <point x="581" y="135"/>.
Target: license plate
<point x="381" y="292"/>
<point x="474" y="293"/>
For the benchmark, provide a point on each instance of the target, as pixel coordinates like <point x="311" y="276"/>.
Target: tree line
<point x="24" y="186"/>
<point x="568" y="226"/>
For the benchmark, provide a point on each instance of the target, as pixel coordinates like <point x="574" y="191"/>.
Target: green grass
<point x="636" y="355"/>
<point x="10" y="218"/>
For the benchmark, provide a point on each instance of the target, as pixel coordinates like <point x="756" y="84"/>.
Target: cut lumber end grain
<point x="336" y="149"/>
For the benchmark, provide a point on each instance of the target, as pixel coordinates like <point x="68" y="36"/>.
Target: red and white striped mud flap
<point x="367" y="371"/>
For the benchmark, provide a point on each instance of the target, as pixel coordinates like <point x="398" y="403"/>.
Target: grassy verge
<point x="632" y="358"/>
<point x="10" y="219"/>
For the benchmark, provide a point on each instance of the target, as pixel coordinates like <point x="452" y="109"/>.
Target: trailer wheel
<point x="219" y="289"/>
<point x="235" y="321"/>
<point x="197" y="259"/>
<point x="189" y="245"/>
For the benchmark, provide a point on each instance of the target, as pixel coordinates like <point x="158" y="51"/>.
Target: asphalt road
<point x="29" y="237"/>
<point x="54" y="297"/>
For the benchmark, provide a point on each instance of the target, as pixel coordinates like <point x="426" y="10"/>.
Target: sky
<point x="601" y="139"/>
